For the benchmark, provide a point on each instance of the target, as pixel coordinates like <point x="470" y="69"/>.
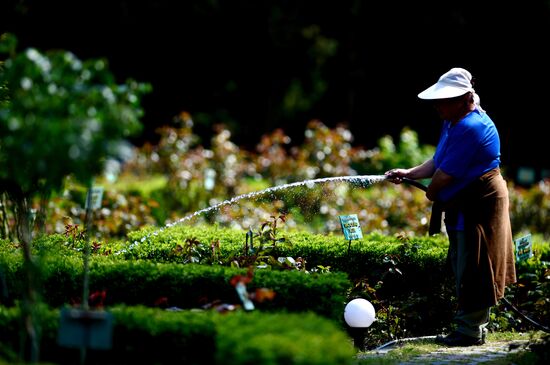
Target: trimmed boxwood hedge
<point x="142" y="270"/>
<point x="144" y="335"/>
<point x="134" y="282"/>
<point x="405" y="278"/>
<point x="421" y="261"/>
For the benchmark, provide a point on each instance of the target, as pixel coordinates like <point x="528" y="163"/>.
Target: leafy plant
<point x="260" y="247"/>
<point x="190" y="250"/>
<point x="59" y="116"/>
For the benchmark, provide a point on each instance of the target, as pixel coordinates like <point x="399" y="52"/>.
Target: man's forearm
<point x="422" y="171"/>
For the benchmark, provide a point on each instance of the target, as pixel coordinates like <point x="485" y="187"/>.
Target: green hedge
<point x="152" y="336"/>
<point x="419" y="261"/>
<point x="141" y="270"/>
<point x="422" y="253"/>
<point x="406" y="279"/>
<point x="136" y="282"/>
<point x="251" y="339"/>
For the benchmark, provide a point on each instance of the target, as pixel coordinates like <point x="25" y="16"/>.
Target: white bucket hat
<point x="455" y="82"/>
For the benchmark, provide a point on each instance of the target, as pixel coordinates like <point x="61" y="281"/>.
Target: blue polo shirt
<point x="466" y="151"/>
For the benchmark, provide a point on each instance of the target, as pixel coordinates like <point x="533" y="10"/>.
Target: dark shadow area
<point x="257" y="66"/>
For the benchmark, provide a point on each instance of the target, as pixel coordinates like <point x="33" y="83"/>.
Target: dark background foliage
<point x="260" y="65"/>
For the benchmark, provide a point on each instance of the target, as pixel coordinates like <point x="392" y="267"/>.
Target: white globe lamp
<point x="359" y="313"/>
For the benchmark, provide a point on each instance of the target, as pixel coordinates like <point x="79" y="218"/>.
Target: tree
<point x="59" y="116"/>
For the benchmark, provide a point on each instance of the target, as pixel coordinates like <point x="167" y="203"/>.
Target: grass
<point x="128" y="183"/>
<point x="409" y="350"/>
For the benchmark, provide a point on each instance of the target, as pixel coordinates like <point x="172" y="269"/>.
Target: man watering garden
<point x="467" y="185"/>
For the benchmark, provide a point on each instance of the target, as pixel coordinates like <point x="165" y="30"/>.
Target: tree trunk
<point x="5" y="226"/>
<point x="30" y="300"/>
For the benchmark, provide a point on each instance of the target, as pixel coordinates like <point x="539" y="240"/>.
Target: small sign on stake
<point x="97" y="197"/>
<point x="351" y="227"/>
<point x="524" y="247"/>
<point x="85" y="329"/>
<point x="243" y="295"/>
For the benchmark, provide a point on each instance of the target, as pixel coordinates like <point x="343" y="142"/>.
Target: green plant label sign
<point x="351" y="227"/>
<point x="84" y="328"/>
<point x="524" y="247"/>
<point x="97" y="197"/>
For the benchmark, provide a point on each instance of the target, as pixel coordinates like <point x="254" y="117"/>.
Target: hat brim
<point x="438" y="91"/>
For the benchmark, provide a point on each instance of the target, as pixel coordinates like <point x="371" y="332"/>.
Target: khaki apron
<point x="488" y="234"/>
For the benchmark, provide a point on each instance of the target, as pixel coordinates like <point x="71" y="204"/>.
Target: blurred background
<point x="256" y="66"/>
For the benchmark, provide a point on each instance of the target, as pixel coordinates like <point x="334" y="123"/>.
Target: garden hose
<point x="506" y="301"/>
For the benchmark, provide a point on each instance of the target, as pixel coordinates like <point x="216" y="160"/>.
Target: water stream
<point x="356" y="180"/>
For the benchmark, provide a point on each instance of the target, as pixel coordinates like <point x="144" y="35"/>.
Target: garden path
<point x="490" y="352"/>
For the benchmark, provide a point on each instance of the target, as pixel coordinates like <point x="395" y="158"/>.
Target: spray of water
<point x="358" y="180"/>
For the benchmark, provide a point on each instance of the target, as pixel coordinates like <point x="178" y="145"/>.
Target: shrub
<point x="155" y="336"/>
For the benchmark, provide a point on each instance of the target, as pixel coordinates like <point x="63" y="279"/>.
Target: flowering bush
<point x="170" y="181"/>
